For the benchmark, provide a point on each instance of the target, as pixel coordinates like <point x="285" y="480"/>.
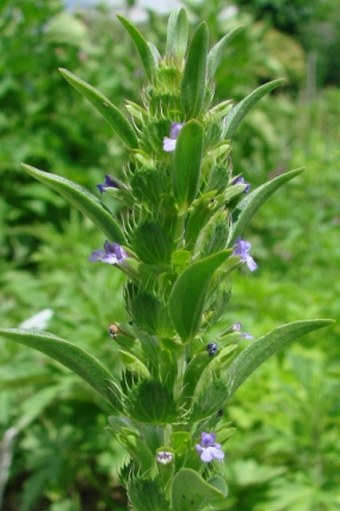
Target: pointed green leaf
<point x="253" y="356"/>
<point x="186" y="169"/>
<point x="193" y="86"/>
<point x="247" y="208"/>
<point x="145" y="52"/>
<point x="83" y="200"/>
<point x="216" y="53"/>
<point x="188" y="295"/>
<point x="191" y="492"/>
<point x="242" y="108"/>
<point x="177" y="34"/>
<point x="68" y="354"/>
<point x="103" y="105"/>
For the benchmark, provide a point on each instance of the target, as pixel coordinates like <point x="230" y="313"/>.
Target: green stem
<point x="167" y="434"/>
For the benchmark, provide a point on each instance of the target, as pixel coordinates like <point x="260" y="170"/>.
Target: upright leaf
<point x="103" y="105"/>
<point x="242" y="108"/>
<point x="216" y="53"/>
<point x="247" y="208"/>
<point x="83" y="200"/>
<point x="186" y="169"/>
<point x="68" y="354"/>
<point x="191" y="492"/>
<point x="156" y="56"/>
<point x="145" y="52"/>
<point x="177" y="34"/>
<point x="253" y="356"/>
<point x="188" y="295"/>
<point x="193" y="85"/>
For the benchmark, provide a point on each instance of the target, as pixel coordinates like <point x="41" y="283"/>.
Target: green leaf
<point x="242" y="108"/>
<point x="155" y="53"/>
<point x="145" y="52"/>
<point x="103" y="105"/>
<point x="83" y="200"/>
<point x="152" y="243"/>
<point x="152" y="402"/>
<point x="146" y="495"/>
<point x="216" y="53"/>
<point x="253" y="356"/>
<point x="187" y="298"/>
<point x="247" y="208"/>
<point x="191" y="492"/>
<point x="177" y="34"/>
<point x="187" y="161"/>
<point x="134" y="364"/>
<point x="193" y="87"/>
<point x="219" y="483"/>
<point x="68" y="354"/>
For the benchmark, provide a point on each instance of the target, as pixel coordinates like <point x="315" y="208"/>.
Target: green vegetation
<point x="285" y="454"/>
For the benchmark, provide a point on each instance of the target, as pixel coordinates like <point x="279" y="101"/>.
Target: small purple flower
<point x="241" y="181"/>
<point x="164" y="457"/>
<point x="112" y="254"/>
<point x="241" y="249"/>
<point x="237" y="327"/>
<point x="208" y="449"/>
<point x="169" y="143"/>
<point x="108" y="183"/>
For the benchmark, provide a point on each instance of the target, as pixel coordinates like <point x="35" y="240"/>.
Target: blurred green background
<point x="55" y="453"/>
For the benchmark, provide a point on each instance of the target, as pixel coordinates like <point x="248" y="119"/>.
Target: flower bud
<point x="165" y="457"/>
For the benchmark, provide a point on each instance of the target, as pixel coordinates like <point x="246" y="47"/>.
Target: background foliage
<point x="55" y="453"/>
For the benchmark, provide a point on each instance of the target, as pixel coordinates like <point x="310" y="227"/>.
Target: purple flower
<point x="112" y="254"/>
<point x="164" y="457"/>
<point x="237" y="327"/>
<point x="239" y="180"/>
<point x="241" y="249"/>
<point x="208" y="449"/>
<point x="169" y="143"/>
<point x="108" y="183"/>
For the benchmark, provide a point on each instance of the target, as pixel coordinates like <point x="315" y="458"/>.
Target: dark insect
<point x="212" y="348"/>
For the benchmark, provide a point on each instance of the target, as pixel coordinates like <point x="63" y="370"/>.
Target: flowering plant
<point x="180" y="212"/>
